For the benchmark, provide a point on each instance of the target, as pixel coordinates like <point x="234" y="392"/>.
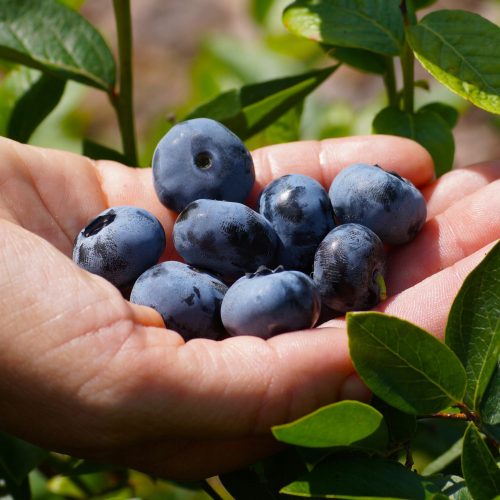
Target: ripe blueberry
<point x="298" y="208"/>
<point x="224" y="237"/>
<point x="201" y="158"/>
<point x="188" y="300"/>
<point x="120" y="244"/>
<point x="267" y="303"/>
<point x="349" y="266"/>
<point x="388" y="204"/>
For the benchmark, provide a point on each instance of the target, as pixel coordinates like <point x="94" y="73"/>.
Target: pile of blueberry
<point x="248" y="272"/>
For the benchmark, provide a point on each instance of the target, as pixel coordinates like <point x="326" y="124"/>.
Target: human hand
<point x="85" y="372"/>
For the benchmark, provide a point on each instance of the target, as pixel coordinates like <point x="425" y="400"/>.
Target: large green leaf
<point x="54" y="38"/>
<point x="420" y="4"/>
<point x="489" y="410"/>
<point x="473" y="328"/>
<point x="425" y="127"/>
<point x="461" y="50"/>
<point x="480" y="469"/>
<point x="34" y="106"/>
<point x="403" y="364"/>
<point x="18" y="457"/>
<point x="358" y="477"/>
<point x="252" y="108"/>
<point x="374" y="25"/>
<point x="346" y="423"/>
<point x="445" y="459"/>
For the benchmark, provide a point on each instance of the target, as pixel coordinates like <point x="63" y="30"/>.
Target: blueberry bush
<point x="432" y="430"/>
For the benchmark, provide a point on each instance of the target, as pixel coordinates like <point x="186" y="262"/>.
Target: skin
<point x="105" y="378"/>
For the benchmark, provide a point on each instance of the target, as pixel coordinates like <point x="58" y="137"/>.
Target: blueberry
<point x="388" y="204"/>
<point x="298" y="208"/>
<point x="201" y="158"/>
<point x="349" y="266"/>
<point x="267" y="303"/>
<point x="188" y="300"/>
<point x="224" y="237"/>
<point x="120" y="244"/>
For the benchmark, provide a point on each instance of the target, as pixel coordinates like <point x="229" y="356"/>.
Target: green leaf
<point x="285" y="129"/>
<point x="18" y="457"/>
<point x="252" y="108"/>
<point x="245" y="484"/>
<point x="346" y="423"/>
<point x="448" y="113"/>
<point x="445" y="459"/>
<point x="462" y="51"/>
<point x="480" y="469"/>
<point x="54" y="38"/>
<point x="358" y="58"/>
<point x="425" y="127"/>
<point x="34" y="106"/>
<point x="374" y="25"/>
<point x="473" y="328"/>
<point x="351" y="477"/>
<point x="420" y="4"/>
<point x="403" y="364"/>
<point x="260" y="9"/>
<point x="401" y="425"/>
<point x="489" y="411"/>
<point x="98" y="151"/>
<point x="13" y="86"/>
<point x="450" y="486"/>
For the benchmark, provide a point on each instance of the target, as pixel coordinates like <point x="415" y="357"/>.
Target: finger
<point x="324" y="159"/>
<point x="427" y="304"/>
<point x="463" y="228"/>
<point x="458" y="183"/>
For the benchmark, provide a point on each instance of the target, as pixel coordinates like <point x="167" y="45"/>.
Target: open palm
<point x="85" y="372"/>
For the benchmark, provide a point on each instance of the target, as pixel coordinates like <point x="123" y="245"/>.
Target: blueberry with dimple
<point x="267" y="303"/>
<point x="120" y="244"/>
<point x="298" y="208"/>
<point x="188" y="299"/>
<point x="227" y="238"/>
<point x="349" y="268"/>
<point x="201" y="158"/>
<point x="388" y="204"/>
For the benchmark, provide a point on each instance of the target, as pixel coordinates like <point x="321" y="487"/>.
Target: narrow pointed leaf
<point x="56" y="39"/>
<point x="489" y="410"/>
<point x="358" y="58"/>
<point x="425" y="127"/>
<point x="18" y="457"/>
<point x="359" y="477"/>
<point x="473" y="328"/>
<point x="403" y="364"/>
<point x="480" y="469"/>
<point x="445" y="459"/>
<point x="98" y="151"/>
<point x="252" y="108"/>
<point x="462" y="51"/>
<point x="346" y="423"/>
<point x="34" y="106"/>
<point x="374" y="25"/>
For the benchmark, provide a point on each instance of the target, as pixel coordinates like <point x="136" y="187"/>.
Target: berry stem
<point x="379" y="279"/>
<point x="122" y="100"/>
<point x="390" y="82"/>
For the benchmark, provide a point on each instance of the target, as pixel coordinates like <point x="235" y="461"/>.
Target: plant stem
<point x="408" y="59"/>
<point x="390" y="82"/>
<point x="407" y="63"/>
<point x="209" y="490"/>
<point x="123" y="99"/>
